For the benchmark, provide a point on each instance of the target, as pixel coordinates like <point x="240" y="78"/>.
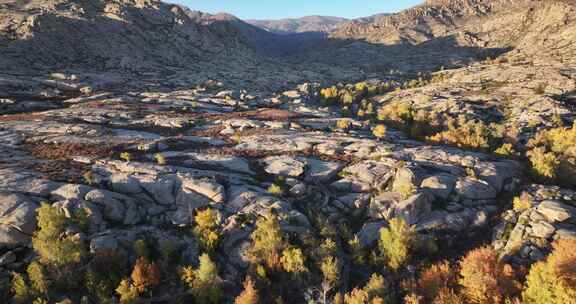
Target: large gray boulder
<point x="17" y="219"/>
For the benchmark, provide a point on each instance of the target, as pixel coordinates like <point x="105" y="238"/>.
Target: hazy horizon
<point x="263" y="10"/>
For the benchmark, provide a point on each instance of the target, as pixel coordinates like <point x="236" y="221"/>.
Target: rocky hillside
<point x="474" y="23"/>
<point x="319" y="24"/>
<point x="59" y="34"/>
<point x="148" y="37"/>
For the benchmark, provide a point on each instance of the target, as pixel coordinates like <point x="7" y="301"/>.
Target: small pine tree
<point x="293" y="260"/>
<point x="249" y="295"/>
<point x="160" y="159"/>
<point x="38" y="279"/>
<point x="20" y="289"/>
<point x="267" y="238"/>
<point x="330" y="276"/>
<point x="396" y="242"/>
<point x="207" y="228"/>
<point x="204" y="282"/>
<point x="356" y="296"/>
<point x="40" y="301"/>
<point x="126" y="156"/>
<point x="376" y="287"/>
<point x="448" y="296"/>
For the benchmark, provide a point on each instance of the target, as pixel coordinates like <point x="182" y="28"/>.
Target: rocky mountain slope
<point x="152" y="153"/>
<point x="148" y="38"/>
<point x="320" y="24"/>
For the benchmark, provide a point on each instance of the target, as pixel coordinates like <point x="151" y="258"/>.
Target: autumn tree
<point x="485" y="279"/>
<point x="145" y="275"/>
<point x="376" y="287"/>
<point x="249" y="295"/>
<point x="553" y="281"/>
<point x="448" y="296"/>
<point x="374" y="292"/>
<point x="434" y="279"/>
<point x="104" y="274"/>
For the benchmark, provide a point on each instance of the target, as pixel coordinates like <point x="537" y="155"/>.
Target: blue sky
<point x="277" y="9"/>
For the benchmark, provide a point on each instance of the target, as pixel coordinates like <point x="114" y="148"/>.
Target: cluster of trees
<point x="327" y="266"/>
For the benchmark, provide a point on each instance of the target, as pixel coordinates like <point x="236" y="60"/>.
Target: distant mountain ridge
<point x="299" y="25"/>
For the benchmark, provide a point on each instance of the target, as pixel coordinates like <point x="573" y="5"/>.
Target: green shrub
<point x="396" y="243"/>
<point x="544" y="164"/>
<point x="49" y="242"/>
